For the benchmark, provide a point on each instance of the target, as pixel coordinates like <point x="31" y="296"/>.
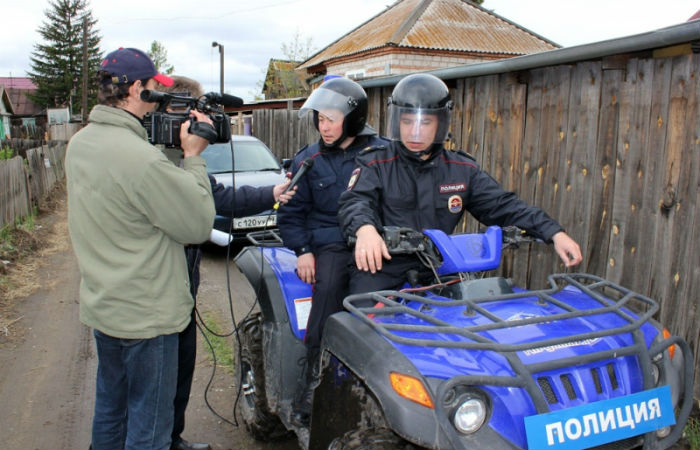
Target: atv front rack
<point x="372" y="307"/>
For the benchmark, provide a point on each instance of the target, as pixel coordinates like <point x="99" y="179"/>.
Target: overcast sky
<point x="252" y="32"/>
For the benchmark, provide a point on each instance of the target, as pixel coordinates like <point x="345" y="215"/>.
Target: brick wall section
<point x="399" y="64"/>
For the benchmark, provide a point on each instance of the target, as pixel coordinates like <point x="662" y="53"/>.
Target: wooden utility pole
<point x="84" y="96"/>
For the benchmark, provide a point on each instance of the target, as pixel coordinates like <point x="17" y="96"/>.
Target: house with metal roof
<point x="417" y="35"/>
<point x="25" y="113"/>
<point x="282" y="81"/>
<point x="6" y="112"/>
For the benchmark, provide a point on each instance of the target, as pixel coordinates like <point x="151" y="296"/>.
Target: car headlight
<point x="469" y="416"/>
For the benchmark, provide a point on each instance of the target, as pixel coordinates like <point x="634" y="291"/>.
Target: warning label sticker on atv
<point x="601" y="422"/>
<point x="302" y="309"/>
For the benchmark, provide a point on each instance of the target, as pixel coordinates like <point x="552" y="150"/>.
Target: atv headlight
<point x="655" y="373"/>
<point x="469" y="416"/>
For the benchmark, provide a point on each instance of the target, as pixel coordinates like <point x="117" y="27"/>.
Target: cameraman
<point x="129" y="213"/>
<point x="246" y="200"/>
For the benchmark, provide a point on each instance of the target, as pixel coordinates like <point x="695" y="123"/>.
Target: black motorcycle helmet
<point x="420" y="94"/>
<point x="343" y="95"/>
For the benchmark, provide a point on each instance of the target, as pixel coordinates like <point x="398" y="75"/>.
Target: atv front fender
<point x="371" y="359"/>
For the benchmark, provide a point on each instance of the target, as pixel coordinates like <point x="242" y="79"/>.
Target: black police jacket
<point x="393" y="187"/>
<point x="310" y="219"/>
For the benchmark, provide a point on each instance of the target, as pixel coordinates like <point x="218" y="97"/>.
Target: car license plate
<point x="242" y="223"/>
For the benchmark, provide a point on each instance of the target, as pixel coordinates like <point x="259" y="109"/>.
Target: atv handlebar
<point x="401" y="240"/>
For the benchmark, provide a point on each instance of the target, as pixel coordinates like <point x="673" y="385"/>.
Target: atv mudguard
<point x="282" y="346"/>
<point x="355" y="357"/>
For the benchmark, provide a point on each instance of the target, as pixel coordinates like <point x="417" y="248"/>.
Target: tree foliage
<point x="159" y="55"/>
<point x="57" y="62"/>
<point x="299" y="49"/>
<point x="281" y="80"/>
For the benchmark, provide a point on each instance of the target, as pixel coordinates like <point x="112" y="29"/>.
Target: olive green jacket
<point x="130" y="211"/>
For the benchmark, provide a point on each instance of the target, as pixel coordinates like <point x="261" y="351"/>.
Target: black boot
<point x="301" y="411"/>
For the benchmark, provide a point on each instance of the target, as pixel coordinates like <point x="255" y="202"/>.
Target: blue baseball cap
<point x="130" y="64"/>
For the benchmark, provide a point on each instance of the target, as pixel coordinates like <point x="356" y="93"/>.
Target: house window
<point x="29" y="123"/>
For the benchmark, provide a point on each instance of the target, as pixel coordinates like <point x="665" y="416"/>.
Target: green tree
<point x="57" y="62"/>
<point x="280" y="80"/>
<point x="159" y="55"/>
<point x="299" y="49"/>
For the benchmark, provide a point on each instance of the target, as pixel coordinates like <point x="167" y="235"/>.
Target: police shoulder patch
<point x="353" y="178"/>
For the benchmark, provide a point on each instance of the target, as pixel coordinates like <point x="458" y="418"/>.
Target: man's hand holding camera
<point x="192" y="144"/>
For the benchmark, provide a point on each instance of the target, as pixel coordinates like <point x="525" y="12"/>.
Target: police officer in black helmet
<point x="309" y="223"/>
<point x="416" y="183"/>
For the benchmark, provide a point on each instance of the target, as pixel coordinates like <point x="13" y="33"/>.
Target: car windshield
<point x="250" y="156"/>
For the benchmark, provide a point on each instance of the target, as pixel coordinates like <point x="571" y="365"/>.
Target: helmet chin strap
<point x="429" y="151"/>
<point x="335" y="143"/>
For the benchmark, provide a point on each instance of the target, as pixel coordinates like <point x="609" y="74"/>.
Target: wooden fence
<point x="283" y="130"/>
<point x="610" y="147"/>
<point x="24" y="182"/>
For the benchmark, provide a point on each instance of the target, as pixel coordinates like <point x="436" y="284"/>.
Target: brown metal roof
<point x="17" y="88"/>
<point x="454" y="25"/>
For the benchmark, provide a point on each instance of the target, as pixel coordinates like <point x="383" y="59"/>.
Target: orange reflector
<point x="411" y="388"/>
<point x="671" y="349"/>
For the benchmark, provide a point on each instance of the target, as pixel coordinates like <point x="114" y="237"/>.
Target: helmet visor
<point x="418" y="126"/>
<point x="331" y="104"/>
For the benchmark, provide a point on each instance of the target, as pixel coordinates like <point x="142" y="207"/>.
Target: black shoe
<point x="182" y="444"/>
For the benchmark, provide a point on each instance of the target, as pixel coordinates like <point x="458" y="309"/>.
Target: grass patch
<point x="691" y="432"/>
<point x="18" y="240"/>
<point x="220" y="346"/>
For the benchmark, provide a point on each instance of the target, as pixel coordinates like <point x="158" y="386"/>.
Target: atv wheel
<point x="260" y="422"/>
<point x="370" y="439"/>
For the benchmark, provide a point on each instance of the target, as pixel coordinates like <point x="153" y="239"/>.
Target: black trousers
<point x="329" y="290"/>
<point x="187" y="355"/>
<point x="187" y="351"/>
<point x="393" y="275"/>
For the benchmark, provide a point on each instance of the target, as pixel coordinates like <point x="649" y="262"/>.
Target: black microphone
<point x="224" y="99"/>
<point x="305" y="165"/>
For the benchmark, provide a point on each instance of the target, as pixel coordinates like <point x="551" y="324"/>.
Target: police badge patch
<point x="454" y="204"/>
<point x="353" y="178"/>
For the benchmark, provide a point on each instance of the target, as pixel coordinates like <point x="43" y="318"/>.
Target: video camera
<point x="164" y="127"/>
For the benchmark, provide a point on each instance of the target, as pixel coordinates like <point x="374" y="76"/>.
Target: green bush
<point x="6" y="153"/>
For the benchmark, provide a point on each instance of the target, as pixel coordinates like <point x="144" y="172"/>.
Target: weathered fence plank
<point x="22" y="187"/>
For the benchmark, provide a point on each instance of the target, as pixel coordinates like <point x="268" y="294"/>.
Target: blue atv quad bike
<point x="466" y="362"/>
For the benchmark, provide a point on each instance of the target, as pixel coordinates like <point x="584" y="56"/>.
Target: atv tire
<point x="260" y="422"/>
<point x="370" y="439"/>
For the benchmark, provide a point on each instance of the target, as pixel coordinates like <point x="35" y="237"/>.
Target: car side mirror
<point x="286" y="163"/>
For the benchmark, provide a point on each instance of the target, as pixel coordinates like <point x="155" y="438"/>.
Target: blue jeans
<point x="136" y="382"/>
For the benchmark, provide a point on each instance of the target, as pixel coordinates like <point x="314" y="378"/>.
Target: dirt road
<point x="48" y="361"/>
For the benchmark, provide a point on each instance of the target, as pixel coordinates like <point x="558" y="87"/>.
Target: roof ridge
<point x="350" y="32"/>
<point x="410" y="21"/>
